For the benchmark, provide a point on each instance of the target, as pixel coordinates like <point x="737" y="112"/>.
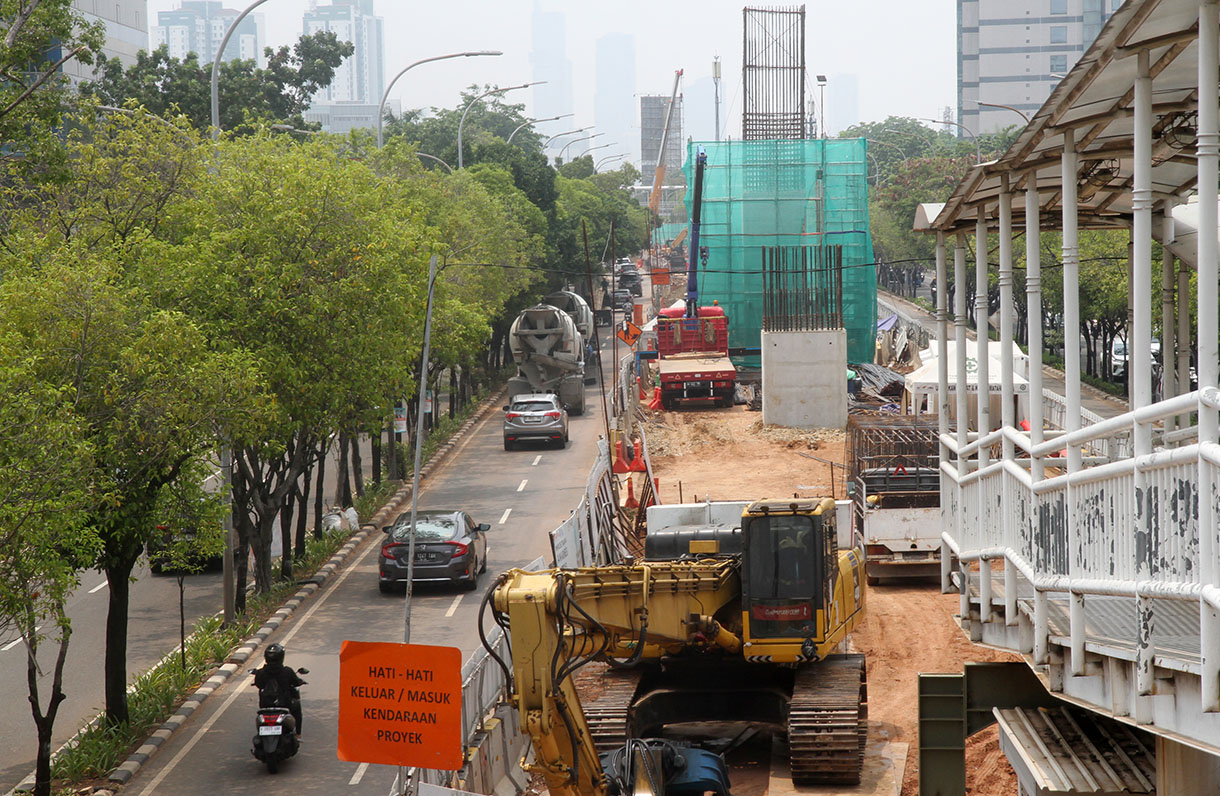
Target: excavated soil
<point x="909" y="628"/>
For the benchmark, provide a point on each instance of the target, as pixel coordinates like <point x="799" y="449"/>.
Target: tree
<point x="44" y="478"/>
<point x="39" y="38"/>
<point x="279" y="93"/>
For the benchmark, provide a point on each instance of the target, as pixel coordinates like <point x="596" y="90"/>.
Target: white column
<point x="959" y="309"/>
<point x="1007" y="411"/>
<point x="981" y="335"/>
<point x="1208" y="160"/>
<point x="1071" y="298"/>
<point x="942" y="341"/>
<point x="1168" y="381"/>
<point x="1033" y="301"/>
<point x="1183" y="336"/>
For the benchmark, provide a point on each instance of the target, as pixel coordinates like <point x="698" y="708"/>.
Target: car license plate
<point x="271" y="729"/>
<point x="422" y="556"/>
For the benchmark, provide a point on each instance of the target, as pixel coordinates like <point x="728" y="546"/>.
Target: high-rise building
<point x="549" y="60"/>
<point x="126" y="24"/>
<point x="352" y="98"/>
<point x="1014" y="52"/>
<point x="653" y="110"/>
<point x="360" y="77"/>
<point x="614" y="95"/>
<point x="198" y="26"/>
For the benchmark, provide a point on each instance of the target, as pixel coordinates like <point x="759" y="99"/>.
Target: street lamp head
<point x="821" y="80"/>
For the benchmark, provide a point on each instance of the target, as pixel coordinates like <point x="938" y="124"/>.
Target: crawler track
<point x="828" y="722"/>
<point x="609" y="715"/>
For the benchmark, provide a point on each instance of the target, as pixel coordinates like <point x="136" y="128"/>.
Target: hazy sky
<point x="902" y="53"/>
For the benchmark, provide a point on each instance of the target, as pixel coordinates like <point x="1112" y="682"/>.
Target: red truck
<point x="693" y="357"/>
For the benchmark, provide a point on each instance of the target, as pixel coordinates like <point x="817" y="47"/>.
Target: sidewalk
<point x="1091" y="398"/>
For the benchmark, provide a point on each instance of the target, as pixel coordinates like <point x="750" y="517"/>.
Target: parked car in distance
<point x="630" y="280"/>
<point x="622" y="300"/>
<point x="1118" y="358"/>
<point x="449" y="547"/>
<point x="535" y="416"/>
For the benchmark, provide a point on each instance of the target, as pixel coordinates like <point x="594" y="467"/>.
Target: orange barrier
<point x="655" y="403"/>
<point x="631" y="503"/>
<point x="620" y="464"/>
<point x="637" y="463"/>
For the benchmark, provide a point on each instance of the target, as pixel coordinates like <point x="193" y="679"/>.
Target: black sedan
<point x="449" y="547"/>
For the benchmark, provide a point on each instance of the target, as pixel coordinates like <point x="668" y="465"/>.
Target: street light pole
<point x="448" y="168"/>
<point x="547" y="143"/>
<point x="386" y="95"/>
<point x="822" y="105"/>
<point x="978" y="152"/>
<point x="574" y="141"/>
<point x="216" y="66"/>
<point x="490" y="91"/>
<point x="895" y="147"/>
<point x="1005" y="107"/>
<point x="528" y="122"/>
<point x="607" y="159"/>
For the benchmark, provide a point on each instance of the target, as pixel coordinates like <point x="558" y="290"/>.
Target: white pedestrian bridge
<point x="1093" y="551"/>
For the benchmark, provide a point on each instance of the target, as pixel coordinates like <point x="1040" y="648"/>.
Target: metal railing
<point x="1127" y="527"/>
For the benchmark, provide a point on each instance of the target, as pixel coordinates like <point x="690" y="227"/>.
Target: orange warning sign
<point x="400" y="704"/>
<point x="629" y="333"/>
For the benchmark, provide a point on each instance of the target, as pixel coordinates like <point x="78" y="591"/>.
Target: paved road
<point x="153" y="632"/>
<point x="522" y="494"/>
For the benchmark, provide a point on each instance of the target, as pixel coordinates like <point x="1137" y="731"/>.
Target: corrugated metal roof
<point x="1065" y="750"/>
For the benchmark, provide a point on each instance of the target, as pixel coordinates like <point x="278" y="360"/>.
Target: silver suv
<point x="535" y="416"/>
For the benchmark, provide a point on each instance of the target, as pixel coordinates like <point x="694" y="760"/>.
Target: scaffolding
<point x="773" y="73"/>
<point x="806" y="195"/>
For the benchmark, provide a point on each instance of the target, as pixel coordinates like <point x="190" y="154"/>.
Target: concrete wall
<point x="1185" y="771"/>
<point x="804" y="378"/>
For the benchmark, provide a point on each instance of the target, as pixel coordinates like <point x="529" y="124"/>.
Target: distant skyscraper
<point x="126" y="32"/>
<point x="549" y="58"/>
<point x="1015" y="52"/>
<point x="614" y="97"/>
<point x="653" y="110"/>
<point x="198" y="26"/>
<point x="359" y="78"/>
<point x="842" y="103"/>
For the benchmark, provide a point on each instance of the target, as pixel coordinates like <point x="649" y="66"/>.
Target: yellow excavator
<point x="715" y="624"/>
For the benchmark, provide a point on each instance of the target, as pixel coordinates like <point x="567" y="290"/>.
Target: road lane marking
<point x="355" y="780"/>
<point x="17" y="640"/>
<point x="537" y="459"/>
<point x="453" y="606"/>
<point x="523" y="483"/>
<point x="99" y="587"/>
<point x="240" y="689"/>
<point x="504" y="516"/>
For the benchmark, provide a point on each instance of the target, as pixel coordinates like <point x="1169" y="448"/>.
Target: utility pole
<point x="716" y="84"/>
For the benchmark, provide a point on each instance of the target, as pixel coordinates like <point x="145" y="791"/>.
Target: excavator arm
<point x="558" y="620"/>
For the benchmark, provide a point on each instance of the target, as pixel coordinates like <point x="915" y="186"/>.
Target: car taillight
<point x="512" y="416"/>
<point x="552" y="414"/>
<point x="459" y="549"/>
<point x="388" y="550"/>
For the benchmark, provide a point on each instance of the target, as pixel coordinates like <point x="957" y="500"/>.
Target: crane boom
<point x="654" y="198"/>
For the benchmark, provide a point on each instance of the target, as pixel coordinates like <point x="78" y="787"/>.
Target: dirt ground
<point x="909" y="627"/>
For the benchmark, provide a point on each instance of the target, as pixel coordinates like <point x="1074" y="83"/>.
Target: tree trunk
<point x="118" y="579"/>
<point x="375" y="446"/>
<point x="302" y="498"/>
<point x="286" y="535"/>
<point x="319" y="498"/>
<point x="357" y="465"/>
<point x="182" y="619"/>
<point x="45" y="722"/>
<point x="344" y="485"/>
<point x="453" y="382"/>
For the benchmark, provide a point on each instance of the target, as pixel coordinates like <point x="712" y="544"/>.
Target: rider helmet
<point x="274" y="654"/>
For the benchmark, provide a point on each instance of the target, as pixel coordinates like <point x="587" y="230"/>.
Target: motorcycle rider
<point x="278" y="685"/>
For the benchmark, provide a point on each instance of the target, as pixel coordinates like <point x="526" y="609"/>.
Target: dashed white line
<point x="504" y="516"/>
<point x="17" y="640"/>
<point x="453" y="606"/>
<point x="355" y="780"/>
<point x="99" y="587"/>
<point x="522" y="485"/>
<point x="537" y="459"/>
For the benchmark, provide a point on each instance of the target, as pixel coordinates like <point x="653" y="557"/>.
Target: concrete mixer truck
<point x="549" y="352"/>
<point x="582" y="315"/>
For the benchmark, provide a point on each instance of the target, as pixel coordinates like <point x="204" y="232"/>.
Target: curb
<point x="132" y="765"/>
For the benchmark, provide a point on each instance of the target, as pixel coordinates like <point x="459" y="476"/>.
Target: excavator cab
<point x="788" y="565"/>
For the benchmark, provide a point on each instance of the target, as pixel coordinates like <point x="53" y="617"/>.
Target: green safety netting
<point x="805" y="192"/>
<point x="665" y="233"/>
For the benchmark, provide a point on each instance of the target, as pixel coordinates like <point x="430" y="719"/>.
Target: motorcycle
<point x="275" y="738"/>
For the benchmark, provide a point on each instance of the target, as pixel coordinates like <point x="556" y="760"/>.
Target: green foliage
<point x="279" y="93"/>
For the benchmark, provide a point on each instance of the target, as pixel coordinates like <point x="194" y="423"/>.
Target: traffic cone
<point x="619" y="465"/>
<point x="631" y="503"/>
<point x="637" y="464"/>
<point x="643" y="395"/>
<point x="655" y="403"/>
